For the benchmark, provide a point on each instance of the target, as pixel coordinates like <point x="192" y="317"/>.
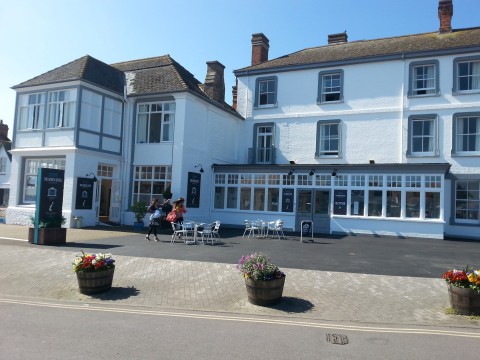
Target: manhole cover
<point x="337" y="339"/>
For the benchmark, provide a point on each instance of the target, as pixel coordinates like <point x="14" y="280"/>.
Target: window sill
<point x="415" y="96"/>
<point x="260" y="107"/>
<point x="356" y="217"/>
<point x="472" y="154"/>
<point x="329" y="102"/>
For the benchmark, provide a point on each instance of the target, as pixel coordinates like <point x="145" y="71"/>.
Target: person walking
<point x="155" y="213"/>
<point x="179" y="208"/>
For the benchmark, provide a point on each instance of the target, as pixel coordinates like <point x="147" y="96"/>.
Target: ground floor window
<point x="467" y="201"/>
<point x="366" y="195"/>
<point x="30" y="175"/>
<point x="151" y="182"/>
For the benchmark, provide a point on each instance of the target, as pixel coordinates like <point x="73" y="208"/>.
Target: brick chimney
<point x="445" y="13"/>
<point x="3" y="131"/>
<point x="339" y="38"/>
<point x="234" y="97"/>
<point x="260" y="48"/>
<point x="214" y="85"/>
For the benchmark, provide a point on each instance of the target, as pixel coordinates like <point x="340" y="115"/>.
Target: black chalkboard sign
<point x="340" y="202"/>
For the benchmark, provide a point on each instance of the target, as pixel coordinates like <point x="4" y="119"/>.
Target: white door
<point x="115" y="203"/>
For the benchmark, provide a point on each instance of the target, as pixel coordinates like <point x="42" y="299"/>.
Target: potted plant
<point x="263" y="279"/>
<point x="464" y="290"/>
<point x="140" y="210"/>
<point x="50" y="231"/>
<point x="94" y="272"/>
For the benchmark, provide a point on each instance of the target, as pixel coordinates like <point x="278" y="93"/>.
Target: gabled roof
<point x="85" y="68"/>
<point x="370" y="50"/>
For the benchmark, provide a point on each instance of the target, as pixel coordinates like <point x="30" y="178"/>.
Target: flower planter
<point x="464" y="300"/>
<point x="48" y="236"/>
<point x="265" y="293"/>
<point x="138" y="226"/>
<point x="93" y="282"/>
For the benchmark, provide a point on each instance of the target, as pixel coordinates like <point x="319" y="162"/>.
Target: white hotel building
<point x="378" y="136"/>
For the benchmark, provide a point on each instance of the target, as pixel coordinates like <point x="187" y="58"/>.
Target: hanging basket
<point x="265" y="293"/>
<point x="464" y="300"/>
<point x="95" y="281"/>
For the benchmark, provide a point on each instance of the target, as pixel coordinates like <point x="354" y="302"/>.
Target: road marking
<point x="5" y="238"/>
<point x="90" y="307"/>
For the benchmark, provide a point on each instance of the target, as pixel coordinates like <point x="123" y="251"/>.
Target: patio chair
<point x="178" y="233"/>
<point x="251" y="227"/>
<point x="278" y="229"/>
<point x="206" y="233"/>
<point x="216" y="227"/>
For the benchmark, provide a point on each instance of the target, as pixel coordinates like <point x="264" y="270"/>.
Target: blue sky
<point x="38" y="36"/>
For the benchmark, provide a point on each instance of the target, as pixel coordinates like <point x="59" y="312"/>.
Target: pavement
<point x="177" y="283"/>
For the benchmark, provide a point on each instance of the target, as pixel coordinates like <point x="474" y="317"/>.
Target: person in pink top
<point x="179" y="208"/>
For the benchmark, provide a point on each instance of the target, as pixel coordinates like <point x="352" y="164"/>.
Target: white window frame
<point x="325" y="138"/>
<point x="61" y="107"/>
<point x="459" y="138"/>
<point x="150" y="176"/>
<point x="469" y="200"/>
<point x="145" y="117"/>
<point x="30" y="175"/>
<point x="433" y="136"/>
<point x="31" y="111"/>
<point x="330" y="87"/>
<point x="472" y="76"/>
<point x="427" y="74"/>
<point x="266" y="92"/>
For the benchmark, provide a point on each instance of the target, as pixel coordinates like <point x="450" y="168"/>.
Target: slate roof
<point x="158" y="75"/>
<point x="155" y="75"/>
<point x="368" y="50"/>
<point x="85" y="68"/>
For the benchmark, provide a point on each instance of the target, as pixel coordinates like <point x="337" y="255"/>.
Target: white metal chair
<point x="177" y="233"/>
<point x="206" y="233"/>
<point x="270" y="227"/>
<point x="189" y="230"/>
<point x="248" y="228"/>
<point x="216" y="227"/>
<point x="278" y="229"/>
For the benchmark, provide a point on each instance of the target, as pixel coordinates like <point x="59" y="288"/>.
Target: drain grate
<point x="338" y="339"/>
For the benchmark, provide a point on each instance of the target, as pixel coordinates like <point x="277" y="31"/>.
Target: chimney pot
<point x="260" y="46"/>
<point x="445" y="13"/>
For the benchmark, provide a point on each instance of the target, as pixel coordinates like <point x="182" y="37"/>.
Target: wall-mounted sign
<point x="287" y="200"/>
<point x="84" y="195"/>
<point x="340" y="202"/>
<point x="193" y="190"/>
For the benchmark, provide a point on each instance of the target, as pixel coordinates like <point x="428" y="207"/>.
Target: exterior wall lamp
<point x="334" y="172"/>
<point x="312" y="172"/>
<point x="201" y="168"/>
<point x="94" y="179"/>
<point x="290" y="172"/>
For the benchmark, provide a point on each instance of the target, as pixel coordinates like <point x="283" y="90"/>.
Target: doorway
<point x="314" y="205"/>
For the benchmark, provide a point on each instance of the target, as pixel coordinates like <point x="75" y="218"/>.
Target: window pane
<point x="219" y="197"/>
<point x="394" y="203"/>
<point x="375" y="203"/>
<point x="245" y="198"/>
<point x="357" y="202"/>
<point x="259" y="199"/>
<point x="232" y="195"/>
<point x="412" y="204"/>
<point x="273" y="199"/>
<point x="432" y="205"/>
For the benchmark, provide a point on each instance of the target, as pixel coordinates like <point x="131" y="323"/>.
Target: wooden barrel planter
<point x="464" y="300"/>
<point x="265" y="293"/>
<point x="94" y="282"/>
